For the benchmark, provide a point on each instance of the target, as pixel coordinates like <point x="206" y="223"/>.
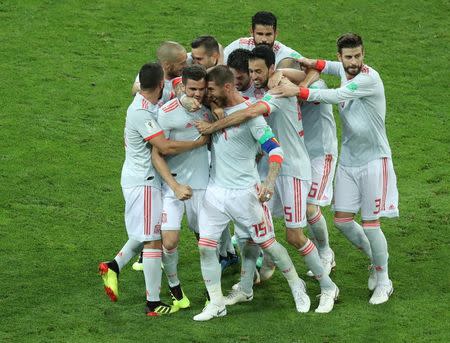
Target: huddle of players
<point x="231" y="189"/>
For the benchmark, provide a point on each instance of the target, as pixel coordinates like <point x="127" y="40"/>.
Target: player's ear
<point x="250" y="30"/>
<point x="272" y="68"/>
<point x="339" y="57"/>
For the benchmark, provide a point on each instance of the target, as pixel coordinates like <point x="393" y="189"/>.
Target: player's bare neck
<point x="151" y="96"/>
<point x="235" y="99"/>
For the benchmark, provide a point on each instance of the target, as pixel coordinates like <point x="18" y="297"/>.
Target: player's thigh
<point x="379" y="190"/>
<point x="212" y="218"/>
<point x="251" y="218"/>
<point x="173" y="210"/>
<point x="347" y="196"/>
<point x="193" y="208"/>
<point x="322" y="176"/>
<point x="293" y="193"/>
<point x="143" y="208"/>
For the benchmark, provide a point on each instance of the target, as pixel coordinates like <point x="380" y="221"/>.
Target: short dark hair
<point x="265" y="53"/>
<point x="349" y="40"/>
<point x="220" y="75"/>
<point x="208" y="42"/>
<point x="194" y="72"/>
<point x="150" y="75"/>
<point x="238" y="60"/>
<point x="264" y="18"/>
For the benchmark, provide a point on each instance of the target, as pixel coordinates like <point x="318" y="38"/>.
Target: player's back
<point x="233" y="152"/>
<point x="191" y="167"/>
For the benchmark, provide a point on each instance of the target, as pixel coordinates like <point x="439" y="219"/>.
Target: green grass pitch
<point x="66" y="70"/>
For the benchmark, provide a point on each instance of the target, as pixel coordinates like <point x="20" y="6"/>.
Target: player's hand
<point x="285" y="90"/>
<point x="307" y="63"/>
<point x="275" y="79"/>
<point x="190" y="104"/>
<point x="204" y="127"/>
<point x="218" y="113"/>
<point x="265" y="192"/>
<point x="203" y="139"/>
<point x="183" y="192"/>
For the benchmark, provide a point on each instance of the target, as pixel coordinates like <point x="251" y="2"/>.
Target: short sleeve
<point x="271" y="103"/>
<point x="229" y="49"/>
<point x="145" y="124"/>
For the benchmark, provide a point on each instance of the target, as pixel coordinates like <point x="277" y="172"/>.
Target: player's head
<point x="238" y="64"/>
<point x="261" y="65"/>
<point x="194" y="81"/>
<point x="264" y="28"/>
<point x="350" y="53"/>
<point x="220" y="81"/>
<point x="205" y="51"/>
<point x="172" y="57"/>
<point x="151" y="77"/>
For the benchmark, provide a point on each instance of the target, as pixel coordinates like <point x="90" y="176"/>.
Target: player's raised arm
<point x="236" y="118"/>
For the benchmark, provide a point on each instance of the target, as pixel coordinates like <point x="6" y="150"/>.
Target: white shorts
<point x="322" y="171"/>
<point x="143" y="207"/>
<point x="290" y="195"/>
<point x="221" y="205"/>
<point x="371" y="188"/>
<point x="173" y="209"/>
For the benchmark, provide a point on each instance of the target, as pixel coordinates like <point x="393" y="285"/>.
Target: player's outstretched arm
<point x="170" y="147"/>
<point x="182" y="192"/>
<point x="234" y="119"/>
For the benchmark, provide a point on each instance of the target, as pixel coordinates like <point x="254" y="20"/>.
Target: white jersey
<point x="319" y="126"/>
<point x="248" y="43"/>
<point x="285" y="119"/>
<point x="362" y="106"/>
<point x="168" y="90"/>
<point x="252" y="93"/>
<point x="190" y="167"/>
<point x="234" y="150"/>
<point x="140" y="127"/>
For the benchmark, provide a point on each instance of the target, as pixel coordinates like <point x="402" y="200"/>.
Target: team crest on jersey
<point x="151" y="125"/>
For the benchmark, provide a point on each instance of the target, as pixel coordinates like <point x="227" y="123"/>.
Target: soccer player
<point x="365" y="177"/>
<point x="321" y="143"/>
<point x="172" y="57"/>
<point x="189" y="168"/>
<point x="264" y="32"/>
<point x="293" y="184"/>
<point x="234" y="193"/>
<point x="205" y="50"/>
<point x="141" y="186"/>
<point x="238" y="63"/>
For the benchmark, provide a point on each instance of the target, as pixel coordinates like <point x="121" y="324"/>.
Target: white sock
<point x="282" y="260"/>
<point x="312" y="260"/>
<point x="354" y="233"/>
<point x="379" y="248"/>
<point x="211" y="270"/>
<point x="151" y="259"/>
<point x="318" y="226"/>
<point x="170" y="263"/>
<point x="128" y="251"/>
<point x="249" y="254"/>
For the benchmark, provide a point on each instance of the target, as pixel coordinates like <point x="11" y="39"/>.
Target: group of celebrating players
<point x="241" y="134"/>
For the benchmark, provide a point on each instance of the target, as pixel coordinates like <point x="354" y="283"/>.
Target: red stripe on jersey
<point x="144" y="104"/>
<point x="301" y="133"/>
<point x="326" y="173"/>
<point x="267" y="107"/>
<point x="146" y="210"/>
<point x="364" y="69"/>
<point x="267" y="217"/>
<point x="170" y="106"/>
<point x="247" y="41"/>
<point x="153" y="136"/>
<point x="176" y="81"/>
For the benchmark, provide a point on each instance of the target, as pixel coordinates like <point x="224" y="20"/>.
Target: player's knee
<point x="311" y="211"/>
<point x="296" y="237"/>
<point x="153" y="244"/>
